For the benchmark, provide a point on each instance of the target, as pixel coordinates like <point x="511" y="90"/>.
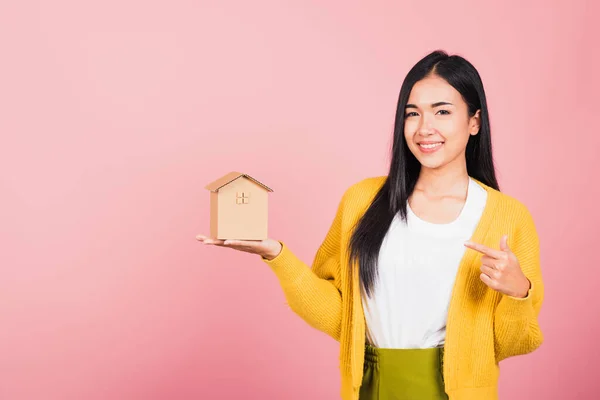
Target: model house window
<point x="242" y="198"/>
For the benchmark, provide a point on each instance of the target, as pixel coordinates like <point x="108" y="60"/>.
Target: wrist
<point x="272" y="254"/>
<point x="525" y="291"/>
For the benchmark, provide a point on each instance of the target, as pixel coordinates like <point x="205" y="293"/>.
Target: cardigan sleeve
<point x="314" y="293"/>
<point x="516" y="327"/>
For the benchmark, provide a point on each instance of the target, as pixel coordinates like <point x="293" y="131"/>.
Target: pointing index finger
<point x="483" y="249"/>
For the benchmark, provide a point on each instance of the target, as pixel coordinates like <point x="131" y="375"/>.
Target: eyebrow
<point x="434" y="105"/>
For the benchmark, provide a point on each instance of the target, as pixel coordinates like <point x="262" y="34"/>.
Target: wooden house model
<point x="238" y="207"/>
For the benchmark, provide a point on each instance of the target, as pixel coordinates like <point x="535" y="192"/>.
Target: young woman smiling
<point x="429" y="276"/>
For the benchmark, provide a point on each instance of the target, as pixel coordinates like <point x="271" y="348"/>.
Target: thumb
<point x="504" y="243"/>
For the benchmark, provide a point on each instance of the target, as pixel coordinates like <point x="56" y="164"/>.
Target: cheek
<point x="410" y="127"/>
<point x="450" y="125"/>
<point x="457" y="142"/>
<point x="453" y="130"/>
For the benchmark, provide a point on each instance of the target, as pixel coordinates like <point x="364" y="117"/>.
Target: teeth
<point x="430" y="146"/>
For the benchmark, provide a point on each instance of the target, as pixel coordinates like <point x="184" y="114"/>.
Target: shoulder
<point x="371" y="183"/>
<point x="525" y="236"/>
<point x="507" y="204"/>
<point x="510" y="210"/>
<point x="517" y="208"/>
<point x="365" y="188"/>
<point x="359" y="195"/>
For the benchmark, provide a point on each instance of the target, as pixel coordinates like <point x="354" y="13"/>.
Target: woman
<point x="429" y="276"/>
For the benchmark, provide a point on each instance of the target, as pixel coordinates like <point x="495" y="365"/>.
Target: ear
<point x="475" y="123"/>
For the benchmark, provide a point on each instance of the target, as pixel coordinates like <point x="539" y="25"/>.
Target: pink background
<point x="115" y="114"/>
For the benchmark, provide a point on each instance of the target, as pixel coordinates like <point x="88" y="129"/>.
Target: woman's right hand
<point x="267" y="248"/>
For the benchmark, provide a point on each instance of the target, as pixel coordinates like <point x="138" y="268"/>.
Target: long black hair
<point x="392" y="197"/>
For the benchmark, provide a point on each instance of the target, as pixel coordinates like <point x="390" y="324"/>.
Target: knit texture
<point x="483" y="327"/>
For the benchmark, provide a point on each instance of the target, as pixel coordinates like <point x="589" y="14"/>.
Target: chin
<point x="431" y="164"/>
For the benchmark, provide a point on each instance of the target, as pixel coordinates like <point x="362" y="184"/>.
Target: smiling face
<point x="437" y="124"/>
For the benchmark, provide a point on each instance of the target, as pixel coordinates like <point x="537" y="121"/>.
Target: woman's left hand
<point x="500" y="269"/>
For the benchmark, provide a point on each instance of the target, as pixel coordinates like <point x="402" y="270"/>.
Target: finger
<point x="243" y="246"/>
<point x="208" y="240"/>
<point x="489" y="261"/>
<point x="498" y="264"/>
<point x="244" y="242"/>
<point x="246" y="245"/>
<point x="484" y="249"/>
<point x="504" y="243"/>
<point x="489" y="271"/>
<point x="489" y="281"/>
<point x="239" y="248"/>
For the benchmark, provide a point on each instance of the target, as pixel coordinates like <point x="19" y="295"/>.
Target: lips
<point x="429" y="147"/>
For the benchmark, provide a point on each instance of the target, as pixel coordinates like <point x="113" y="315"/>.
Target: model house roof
<point x="230" y="177"/>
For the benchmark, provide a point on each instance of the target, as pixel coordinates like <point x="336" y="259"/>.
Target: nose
<point x="426" y="126"/>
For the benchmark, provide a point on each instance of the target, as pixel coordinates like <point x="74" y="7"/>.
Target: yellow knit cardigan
<point x="483" y="326"/>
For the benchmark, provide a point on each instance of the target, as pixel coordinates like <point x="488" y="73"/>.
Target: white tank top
<point x="417" y="266"/>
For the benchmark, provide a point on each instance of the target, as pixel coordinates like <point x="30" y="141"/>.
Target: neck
<point x="447" y="180"/>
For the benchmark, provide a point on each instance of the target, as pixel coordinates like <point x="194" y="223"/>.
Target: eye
<point x="444" y="112"/>
<point x="410" y="114"/>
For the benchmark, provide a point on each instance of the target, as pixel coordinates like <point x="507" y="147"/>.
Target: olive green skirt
<point x="403" y="374"/>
